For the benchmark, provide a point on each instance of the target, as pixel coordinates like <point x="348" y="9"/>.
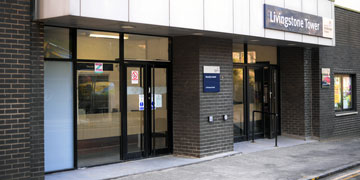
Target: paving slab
<point x="166" y="162"/>
<point x="288" y="163"/>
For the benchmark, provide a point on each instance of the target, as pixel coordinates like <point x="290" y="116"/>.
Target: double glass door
<point x="146" y="110"/>
<point x="255" y="89"/>
<point x="121" y="114"/>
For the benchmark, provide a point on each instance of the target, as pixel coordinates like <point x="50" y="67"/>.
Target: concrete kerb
<point x="333" y="171"/>
<point x="234" y="153"/>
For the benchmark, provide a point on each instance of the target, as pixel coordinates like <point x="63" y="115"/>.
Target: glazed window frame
<point x="339" y="96"/>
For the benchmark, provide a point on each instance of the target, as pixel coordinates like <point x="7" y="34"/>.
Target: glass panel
<point x="267" y="102"/>
<point x="337" y="92"/>
<point x="58" y="120"/>
<point x="56" y="43"/>
<point x="159" y="126"/>
<point x="139" y="47"/>
<point x="274" y="101"/>
<point x="135" y="109"/>
<point x="97" y="45"/>
<point x="262" y="54"/>
<point x="255" y="99"/>
<point x="347" y="92"/>
<point x="238" y="75"/>
<point x="98" y="123"/>
<point x="238" y="53"/>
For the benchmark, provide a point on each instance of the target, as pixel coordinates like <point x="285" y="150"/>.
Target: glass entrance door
<point x="239" y="104"/>
<point x="255" y="88"/>
<point x="271" y="93"/>
<point x="255" y="100"/>
<point x="147" y="110"/>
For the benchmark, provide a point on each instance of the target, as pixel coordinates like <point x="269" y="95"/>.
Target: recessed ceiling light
<point x="104" y="36"/>
<point x="127" y="27"/>
<point x="254" y="40"/>
<point x="198" y="34"/>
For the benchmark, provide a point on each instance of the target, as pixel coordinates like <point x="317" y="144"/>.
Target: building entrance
<point x="146" y="110"/>
<point x="255" y="89"/>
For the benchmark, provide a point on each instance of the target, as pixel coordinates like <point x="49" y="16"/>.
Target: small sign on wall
<point x="325" y="77"/>
<point x="99" y="68"/>
<point x="141" y="102"/>
<point x="211" y="78"/>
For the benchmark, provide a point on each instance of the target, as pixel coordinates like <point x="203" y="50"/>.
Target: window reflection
<point x="98" y="123"/>
<point x="139" y="47"/>
<point x="258" y="53"/>
<point x="56" y="43"/>
<point x="343" y="92"/>
<point x="97" y="45"/>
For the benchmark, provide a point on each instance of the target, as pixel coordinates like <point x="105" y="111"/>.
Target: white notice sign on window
<point x="134" y="77"/>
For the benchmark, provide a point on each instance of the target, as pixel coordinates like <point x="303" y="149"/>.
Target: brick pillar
<point x="186" y="99"/>
<point x="193" y="134"/>
<point x="21" y="89"/>
<point x="37" y="101"/>
<point x="296" y="88"/>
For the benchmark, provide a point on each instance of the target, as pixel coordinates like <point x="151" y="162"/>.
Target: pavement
<point x="293" y="159"/>
<point x="305" y="161"/>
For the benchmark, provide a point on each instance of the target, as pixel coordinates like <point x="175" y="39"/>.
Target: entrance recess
<point x="255" y="89"/>
<point x="146" y="110"/>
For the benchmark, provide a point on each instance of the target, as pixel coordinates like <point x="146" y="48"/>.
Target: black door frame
<point x="246" y="114"/>
<point x="122" y="63"/>
<point x="148" y="151"/>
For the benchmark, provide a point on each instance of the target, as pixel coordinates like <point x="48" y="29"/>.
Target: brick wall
<point x="344" y="58"/>
<point x="37" y="101"/>
<point x="186" y="100"/>
<point x="216" y="137"/>
<point x="316" y="83"/>
<point x="19" y="92"/>
<point x="292" y="89"/>
<point x="193" y="134"/>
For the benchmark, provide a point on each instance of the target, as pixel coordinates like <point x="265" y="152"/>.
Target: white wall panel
<point x="242" y="17"/>
<point x="187" y="14"/>
<point x="333" y="16"/>
<point x="310" y="39"/>
<point x="149" y="12"/>
<point x="58" y="116"/>
<point x="324" y="8"/>
<point x="279" y="3"/>
<point x="107" y="9"/>
<point x="293" y="5"/>
<point x="274" y="34"/>
<point x="218" y="15"/>
<point x="310" y="6"/>
<point x="74" y="7"/>
<point x="56" y="8"/>
<point x="325" y="41"/>
<point x="257" y="18"/>
<point x="293" y="37"/>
